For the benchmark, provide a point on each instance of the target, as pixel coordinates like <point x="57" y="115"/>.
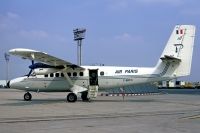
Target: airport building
<point x="178" y="84"/>
<point x="172" y="83"/>
<point x="2" y="83"/>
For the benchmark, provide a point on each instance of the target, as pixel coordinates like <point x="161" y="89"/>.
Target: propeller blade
<point x="31" y="67"/>
<point x="8" y="84"/>
<point x="30" y="72"/>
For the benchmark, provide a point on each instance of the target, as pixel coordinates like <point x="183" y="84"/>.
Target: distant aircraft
<point x="52" y="74"/>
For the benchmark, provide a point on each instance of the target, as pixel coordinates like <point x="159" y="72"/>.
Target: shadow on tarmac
<point x="127" y="100"/>
<point x="20" y="102"/>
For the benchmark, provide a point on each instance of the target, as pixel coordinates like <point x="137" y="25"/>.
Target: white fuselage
<point x="108" y="77"/>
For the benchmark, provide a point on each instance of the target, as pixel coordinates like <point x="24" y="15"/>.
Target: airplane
<point x="51" y="74"/>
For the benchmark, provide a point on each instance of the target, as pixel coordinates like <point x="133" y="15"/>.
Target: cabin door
<point x="93" y="77"/>
<point x="93" y="84"/>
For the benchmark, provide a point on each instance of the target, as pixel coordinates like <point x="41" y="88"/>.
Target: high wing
<point x="42" y="57"/>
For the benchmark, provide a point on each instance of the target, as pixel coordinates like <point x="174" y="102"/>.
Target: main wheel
<point x="84" y="96"/>
<point x="71" y="97"/>
<point x="27" y="96"/>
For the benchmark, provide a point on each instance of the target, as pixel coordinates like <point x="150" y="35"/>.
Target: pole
<point x="7" y="60"/>
<point x="79" y="59"/>
<point x="80" y="54"/>
<point x="6" y="71"/>
<point x="123" y="92"/>
<point x="77" y="52"/>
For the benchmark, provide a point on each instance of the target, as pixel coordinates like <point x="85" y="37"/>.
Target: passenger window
<point x="57" y="74"/>
<point x="74" y="74"/>
<point x="46" y="75"/>
<point x="81" y="74"/>
<point x="101" y="73"/>
<point x="69" y="74"/>
<point x="62" y="75"/>
<point x="51" y="74"/>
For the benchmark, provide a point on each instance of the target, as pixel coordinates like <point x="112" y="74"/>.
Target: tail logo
<point x="180" y="31"/>
<point x="178" y="48"/>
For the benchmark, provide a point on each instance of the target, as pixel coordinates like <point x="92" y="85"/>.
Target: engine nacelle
<point x="43" y="71"/>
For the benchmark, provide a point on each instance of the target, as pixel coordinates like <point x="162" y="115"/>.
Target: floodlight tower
<point x="6" y="55"/>
<point x="79" y="35"/>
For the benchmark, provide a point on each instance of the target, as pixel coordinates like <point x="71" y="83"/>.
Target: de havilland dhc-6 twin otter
<point x="51" y="74"/>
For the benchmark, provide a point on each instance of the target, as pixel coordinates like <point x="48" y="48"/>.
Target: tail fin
<point x="176" y="58"/>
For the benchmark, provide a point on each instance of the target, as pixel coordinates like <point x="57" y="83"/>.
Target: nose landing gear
<point x="27" y="96"/>
<point x="71" y="97"/>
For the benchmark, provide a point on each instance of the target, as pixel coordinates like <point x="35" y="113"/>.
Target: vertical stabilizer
<point x="177" y="55"/>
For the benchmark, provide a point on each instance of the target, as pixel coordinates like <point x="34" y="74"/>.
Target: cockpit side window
<point x="57" y="74"/>
<point x="62" y="75"/>
<point x="51" y="74"/>
<point x="74" y="74"/>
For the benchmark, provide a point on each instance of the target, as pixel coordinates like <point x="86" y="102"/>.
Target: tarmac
<point x="49" y="113"/>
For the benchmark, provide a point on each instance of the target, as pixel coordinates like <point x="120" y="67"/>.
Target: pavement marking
<point x="191" y="117"/>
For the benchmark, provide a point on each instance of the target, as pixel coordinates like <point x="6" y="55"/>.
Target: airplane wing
<point x="42" y="57"/>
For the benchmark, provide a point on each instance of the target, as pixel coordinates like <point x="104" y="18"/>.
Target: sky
<point x="118" y="32"/>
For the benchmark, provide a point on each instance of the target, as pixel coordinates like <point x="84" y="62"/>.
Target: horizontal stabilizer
<point x="168" y="58"/>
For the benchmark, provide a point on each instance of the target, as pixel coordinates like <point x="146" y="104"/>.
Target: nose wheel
<point x="71" y="97"/>
<point x="27" y="96"/>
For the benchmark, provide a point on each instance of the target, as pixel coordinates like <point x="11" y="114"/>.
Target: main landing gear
<point x="72" y="97"/>
<point x="27" y="96"/>
<point x="84" y="96"/>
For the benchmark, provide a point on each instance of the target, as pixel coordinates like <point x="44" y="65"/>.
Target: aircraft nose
<point x="11" y="83"/>
<point x="12" y="51"/>
<point x="15" y="83"/>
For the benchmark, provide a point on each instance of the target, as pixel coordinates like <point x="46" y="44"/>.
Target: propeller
<point x="41" y="65"/>
<point x="31" y="67"/>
